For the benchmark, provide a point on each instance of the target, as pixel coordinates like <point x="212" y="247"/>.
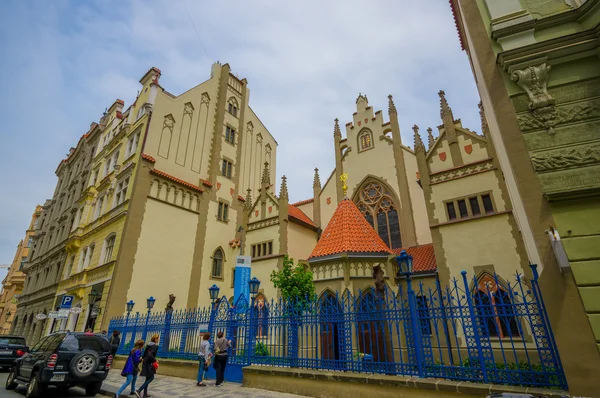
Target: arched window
<point x="232" y="106"/>
<point x="365" y="140"/>
<point x="495" y="311"/>
<point x="88" y="256"/>
<point x="375" y="202"/>
<point x="217" y="265"/>
<point x="107" y="250"/>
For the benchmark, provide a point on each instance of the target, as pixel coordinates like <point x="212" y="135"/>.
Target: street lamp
<point x="130" y="305"/>
<point x="213" y="291"/>
<point x="8" y="314"/>
<point x="149" y="304"/>
<point x="92" y="297"/>
<point x="254" y="284"/>
<point x="405" y="264"/>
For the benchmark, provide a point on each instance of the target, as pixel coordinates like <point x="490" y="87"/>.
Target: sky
<point x="63" y="62"/>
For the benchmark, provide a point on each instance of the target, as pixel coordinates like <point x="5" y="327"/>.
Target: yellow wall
<point x="164" y="257"/>
<point x="301" y="241"/>
<point x="435" y="162"/>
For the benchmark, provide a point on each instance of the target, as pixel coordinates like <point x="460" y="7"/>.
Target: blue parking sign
<point x="67" y="302"/>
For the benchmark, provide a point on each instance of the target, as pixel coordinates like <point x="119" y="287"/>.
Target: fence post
<point x="251" y="337"/>
<point x="125" y="331"/>
<point x="137" y="316"/>
<point x="414" y="320"/>
<point x="474" y="325"/>
<point x="166" y="334"/>
<point x="546" y="325"/>
<point x="445" y="317"/>
<point x="145" y="332"/>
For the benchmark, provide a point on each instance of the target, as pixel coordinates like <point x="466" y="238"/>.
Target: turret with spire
<point x="265" y="182"/>
<point x="419" y="146"/>
<point x="248" y="204"/>
<point x="447" y="118"/>
<point x="283" y="191"/>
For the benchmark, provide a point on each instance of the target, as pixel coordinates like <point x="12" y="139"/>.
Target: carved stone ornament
<point x="568" y="157"/>
<point x="534" y="80"/>
<point x="565" y="114"/>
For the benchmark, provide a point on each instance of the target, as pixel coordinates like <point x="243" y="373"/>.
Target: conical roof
<point x="348" y="232"/>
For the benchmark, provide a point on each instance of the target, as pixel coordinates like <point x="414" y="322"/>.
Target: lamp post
<point x="130" y="306"/>
<point x="213" y="292"/>
<point x="253" y="285"/>
<point x="91" y="301"/>
<point x="149" y="304"/>
<point x="7" y="316"/>
<point x="405" y="267"/>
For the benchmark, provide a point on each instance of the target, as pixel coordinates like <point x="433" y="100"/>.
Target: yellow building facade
<point x="12" y="285"/>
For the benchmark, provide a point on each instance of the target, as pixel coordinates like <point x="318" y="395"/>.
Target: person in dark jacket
<point x="148" y="365"/>
<point x="115" y="341"/>
<point x="131" y="368"/>
<point x="222" y="346"/>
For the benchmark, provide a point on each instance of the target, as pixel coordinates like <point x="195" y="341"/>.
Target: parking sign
<point x="67" y="302"/>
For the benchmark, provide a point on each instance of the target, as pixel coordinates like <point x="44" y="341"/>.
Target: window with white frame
<point x="141" y="112"/>
<point x="107" y="252"/>
<point x="69" y="267"/>
<point x="98" y="208"/>
<point x="132" y="144"/>
<point x="94" y="178"/>
<point x="121" y="192"/>
<point x="82" y="257"/>
<point x="88" y="256"/>
<point x="108" y="166"/>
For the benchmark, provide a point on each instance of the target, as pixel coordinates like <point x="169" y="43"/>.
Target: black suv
<point x="11" y="348"/>
<point x="64" y="360"/>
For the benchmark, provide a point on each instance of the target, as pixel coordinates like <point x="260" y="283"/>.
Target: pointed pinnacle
<point x="418" y="142"/>
<point x="266" y="177"/>
<point x="430" y="137"/>
<point x="248" y="198"/>
<point x="336" y="128"/>
<point x="484" y="125"/>
<point x="444" y="107"/>
<point x="283" y="191"/>
<point x="391" y="106"/>
<point x="317" y="179"/>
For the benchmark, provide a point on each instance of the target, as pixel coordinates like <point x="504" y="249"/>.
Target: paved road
<point x="50" y="393"/>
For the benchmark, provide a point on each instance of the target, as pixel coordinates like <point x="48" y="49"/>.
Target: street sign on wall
<point x="66" y="302"/>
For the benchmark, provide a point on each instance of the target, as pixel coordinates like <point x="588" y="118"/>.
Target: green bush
<point x="261" y="350"/>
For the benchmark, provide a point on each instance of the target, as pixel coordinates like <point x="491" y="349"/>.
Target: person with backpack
<point x="115" y="341"/>
<point x="131" y="368"/>
<point x="149" y="365"/>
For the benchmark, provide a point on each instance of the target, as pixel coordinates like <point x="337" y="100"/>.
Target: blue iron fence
<point x="494" y="332"/>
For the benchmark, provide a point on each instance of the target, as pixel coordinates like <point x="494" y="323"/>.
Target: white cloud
<point x="305" y="61"/>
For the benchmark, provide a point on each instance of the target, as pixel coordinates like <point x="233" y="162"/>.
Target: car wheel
<point x="34" y="388"/>
<point x="84" y="363"/>
<point x="11" y="384"/>
<point x="93" y="389"/>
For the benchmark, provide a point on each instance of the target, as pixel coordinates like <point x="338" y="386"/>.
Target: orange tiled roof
<point x="348" y="232"/>
<point x="177" y="180"/>
<point x="206" y="183"/>
<point x="298" y="214"/>
<point x="148" y="158"/>
<point x="303" y="202"/>
<point x="240" y="197"/>
<point x="423" y="257"/>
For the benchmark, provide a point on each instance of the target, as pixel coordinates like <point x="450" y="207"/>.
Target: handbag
<point x="155" y="365"/>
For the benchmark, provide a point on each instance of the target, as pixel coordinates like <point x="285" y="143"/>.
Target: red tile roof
<point x="348" y="232"/>
<point x="298" y="214"/>
<point x="206" y="183"/>
<point x="177" y="180"/>
<point x="303" y="202"/>
<point x="148" y="158"/>
<point x="457" y="24"/>
<point x="240" y="197"/>
<point x="423" y="257"/>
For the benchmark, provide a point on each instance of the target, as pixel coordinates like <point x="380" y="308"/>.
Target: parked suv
<point x="64" y="360"/>
<point x="11" y="348"/>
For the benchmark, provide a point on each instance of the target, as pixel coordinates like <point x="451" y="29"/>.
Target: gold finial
<point x="343" y="178"/>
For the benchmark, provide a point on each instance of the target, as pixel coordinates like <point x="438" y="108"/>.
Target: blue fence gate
<point x="494" y="332"/>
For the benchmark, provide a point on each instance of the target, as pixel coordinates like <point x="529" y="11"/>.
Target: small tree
<point x="295" y="282"/>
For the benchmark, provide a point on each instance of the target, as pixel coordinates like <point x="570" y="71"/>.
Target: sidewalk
<point x="174" y="387"/>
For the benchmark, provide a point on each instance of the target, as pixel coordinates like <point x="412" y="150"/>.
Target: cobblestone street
<point x="174" y="387"/>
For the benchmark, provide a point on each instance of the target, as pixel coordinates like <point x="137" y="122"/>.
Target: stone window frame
<point x="235" y="133"/>
<point x="365" y="131"/>
<point x="224" y="202"/>
<point x="221" y="277"/>
<point x="233" y="107"/>
<point x="256" y="247"/>
<point x="231" y="167"/>
<point x="467" y="199"/>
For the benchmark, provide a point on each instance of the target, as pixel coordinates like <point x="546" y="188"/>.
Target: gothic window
<point x="365" y="139"/>
<point x="217" y="265"/>
<point x="375" y="202"/>
<point x="495" y="311"/>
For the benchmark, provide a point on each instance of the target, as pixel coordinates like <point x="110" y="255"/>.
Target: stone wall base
<point x="359" y="385"/>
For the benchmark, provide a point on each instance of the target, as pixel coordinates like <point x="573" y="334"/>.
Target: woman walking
<point x="131" y="368"/>
<point x="221" y="347"/>
<point x="203" y="359"/>
<point x="148" y="365"/>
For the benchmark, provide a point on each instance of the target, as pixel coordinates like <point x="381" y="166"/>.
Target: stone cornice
<point x="263" y="223"/>
<point x="547" y="22"/>
<point x="462" y="171"/>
